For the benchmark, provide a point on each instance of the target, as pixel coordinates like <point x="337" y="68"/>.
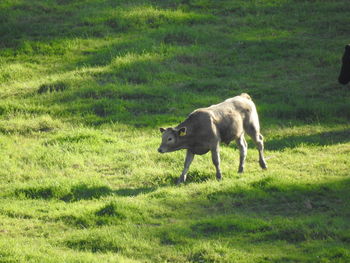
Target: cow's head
<point x="344" y="76"/>
<point x="171" y="139"/>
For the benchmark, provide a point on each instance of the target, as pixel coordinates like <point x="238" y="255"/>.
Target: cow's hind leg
<point x="188" y="161"/>
<point x="259" y="141"/>
<point x="243" y="147"/>
<point x="215" y="156"/>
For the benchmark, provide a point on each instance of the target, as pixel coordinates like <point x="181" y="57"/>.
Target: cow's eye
<point x="170" y="139"/>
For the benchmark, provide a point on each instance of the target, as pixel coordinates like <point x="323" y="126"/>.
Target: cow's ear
<point x="347" y="47"/>
<point x="161" y="130"/>
<point x="182" y="131"/>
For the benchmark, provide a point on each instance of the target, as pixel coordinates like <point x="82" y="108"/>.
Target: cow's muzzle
<point x="160" y="150"/>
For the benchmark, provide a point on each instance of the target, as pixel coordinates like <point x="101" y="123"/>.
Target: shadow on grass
<point x="318" y="139"/>
<point x="312" y="216"/>
<point x="134" y="191"/>
<point x="78" y="192"/>
<point x="101" y="98"/>
<point x="137" y="86"/>
<point x="75" y="193"/>
<point x="197" y="176"/>
<point x="35" y="193"/>
<point x="23" y="21"/>
<point x="310" y="219"/>
<point x="85" y="192"/>
<point x="267" y="196"/>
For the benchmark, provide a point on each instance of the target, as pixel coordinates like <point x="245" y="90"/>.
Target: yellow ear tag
<point x="182" y="133"/>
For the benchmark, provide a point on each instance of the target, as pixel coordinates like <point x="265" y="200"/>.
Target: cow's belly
<point x="228" y="139"/>
<point x="199" y="150"/>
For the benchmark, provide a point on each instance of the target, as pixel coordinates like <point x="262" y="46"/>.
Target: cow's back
<point x="223" y="122"/>
<point x="233" y="116"/>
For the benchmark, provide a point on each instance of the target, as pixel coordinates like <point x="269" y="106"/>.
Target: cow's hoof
<point x="240" y="170"/>
<point x="262" y="163"/>
<point x="263" y="166"/>
<point x="180" y="181"/>
<point x="219" y="177"/>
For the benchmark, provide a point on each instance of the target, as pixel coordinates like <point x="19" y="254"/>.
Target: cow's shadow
<point x="317" y="139"/>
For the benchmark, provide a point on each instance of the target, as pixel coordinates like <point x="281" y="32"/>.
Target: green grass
<point x="84" y="87"/>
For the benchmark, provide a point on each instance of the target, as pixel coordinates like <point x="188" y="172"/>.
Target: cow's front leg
<point x="243" y="147"/>
<point x="215" y="156"/>
<point x="188" y="161"/>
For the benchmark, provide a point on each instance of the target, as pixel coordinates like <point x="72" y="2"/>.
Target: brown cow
<point x="205" y="128"/>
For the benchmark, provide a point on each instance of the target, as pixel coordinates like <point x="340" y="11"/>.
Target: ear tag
<point x="182" y="133"/>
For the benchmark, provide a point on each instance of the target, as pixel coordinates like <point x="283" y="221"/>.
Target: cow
<point x="205" y="128"/>
<point x="344" y="76"/>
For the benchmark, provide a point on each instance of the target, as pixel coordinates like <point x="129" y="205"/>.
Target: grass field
<point x="84" y="87"/>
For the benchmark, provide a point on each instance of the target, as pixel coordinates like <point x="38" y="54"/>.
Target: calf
<point x="205" y="128"/>
<point x="344" y="76"/>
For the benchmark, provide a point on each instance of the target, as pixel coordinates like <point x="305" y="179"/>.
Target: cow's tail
<point x="245" y="95"/>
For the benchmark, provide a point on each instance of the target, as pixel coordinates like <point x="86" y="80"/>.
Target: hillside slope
<point x="84" y="87"/>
